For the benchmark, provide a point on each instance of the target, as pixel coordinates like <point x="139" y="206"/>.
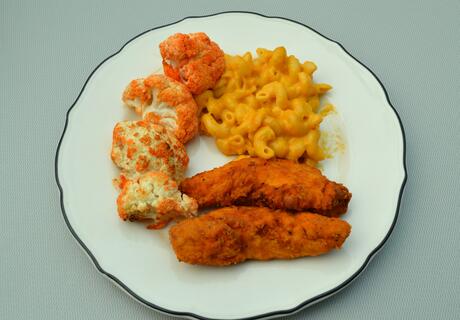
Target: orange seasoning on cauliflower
<point x="142" y="146"/>
<point x="154" y="197"/>
<point x="164" y="101"/>
<point x="192" y="59"/>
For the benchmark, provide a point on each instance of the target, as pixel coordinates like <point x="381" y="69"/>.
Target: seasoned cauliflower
<point x="165" y="101"/>
<point x="192" y="59"/>
<point x="142" y="146"/>
<point x="154" y="197"/>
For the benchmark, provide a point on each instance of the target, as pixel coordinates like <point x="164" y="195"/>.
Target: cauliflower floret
<point x="192" y="59"/>
<point x="142" y="146"/>
<point x="154" y="197"/>
<point x="137" y="96"/>
<point x="165" y="101"/>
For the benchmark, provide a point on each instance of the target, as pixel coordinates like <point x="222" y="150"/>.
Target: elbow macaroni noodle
<point x="265" y="107"/>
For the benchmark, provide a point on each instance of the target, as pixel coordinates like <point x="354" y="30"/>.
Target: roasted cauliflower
<point x="164" y="101"/>
<point x="154" y="197"/>
<point x="192" y="59"/>
<point x="142" y="146"/>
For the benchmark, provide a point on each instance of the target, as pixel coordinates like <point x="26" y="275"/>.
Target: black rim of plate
<point x="279" y="313"/>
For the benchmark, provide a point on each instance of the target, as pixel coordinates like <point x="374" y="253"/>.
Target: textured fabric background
<point x="48" y="49"/>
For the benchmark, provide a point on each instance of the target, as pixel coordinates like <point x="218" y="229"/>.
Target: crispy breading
<point x="234" y="234"/>
<point x="154" y="197"/>
<point x="164" y="101"/>
<point x="274" y="183"/>
<point x="192" y="59"/>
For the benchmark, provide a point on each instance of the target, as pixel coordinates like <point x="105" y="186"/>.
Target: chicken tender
<point x="154" y="197"/>
<point x="142" y="146"/>
<point x="192" y="59"/>
<point x="164" y="101"/>
<point x="274" y="183"/>
<point x="234" y="234"/>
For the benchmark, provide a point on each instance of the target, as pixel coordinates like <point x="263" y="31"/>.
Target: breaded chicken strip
<point x="192" y="59"/>
<point x="274" y="183"/>
<point x="154" y="197"/>
<point x="164" y="101"/>
<point x="232" y="235"/>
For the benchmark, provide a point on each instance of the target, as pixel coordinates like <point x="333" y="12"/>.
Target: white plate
<point x="142" y="262"/>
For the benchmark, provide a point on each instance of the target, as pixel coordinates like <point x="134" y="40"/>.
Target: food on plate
<point x="234" y="234"/>
<point x="192" y="59"/>
<point x="265" y="110"/>
<point x="274" y="183"/>
<point x="164" y="101"/>
<point x="266" y="107"/>
<point x="142" y="146"/>
<point x="154" y="197"/>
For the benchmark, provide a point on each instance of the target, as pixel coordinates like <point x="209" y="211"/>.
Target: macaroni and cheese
<point x="265" y="107"/>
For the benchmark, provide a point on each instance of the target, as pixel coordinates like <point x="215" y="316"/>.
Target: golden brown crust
<point x="274" y="183"/>
<point x="232" y="235"/>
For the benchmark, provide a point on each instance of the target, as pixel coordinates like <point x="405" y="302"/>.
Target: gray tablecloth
<point x="48" y="49"/>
